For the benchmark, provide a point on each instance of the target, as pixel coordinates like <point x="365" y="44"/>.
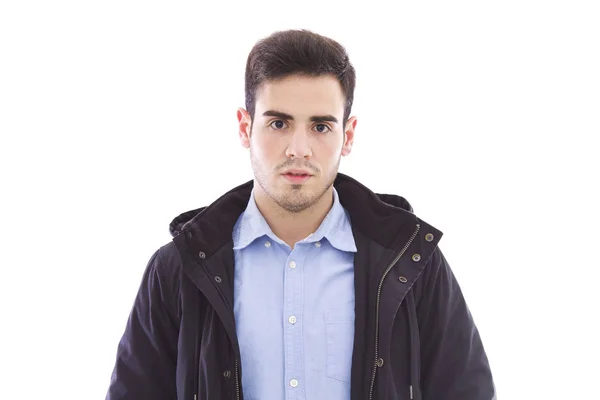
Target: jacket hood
<point x="177" y="224"/>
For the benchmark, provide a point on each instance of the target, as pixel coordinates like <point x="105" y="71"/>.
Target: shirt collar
<point x="251" y="226"/>
<point x="336" y="227"/>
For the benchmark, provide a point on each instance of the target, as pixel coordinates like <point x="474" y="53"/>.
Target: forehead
<point x="301" y="96"/>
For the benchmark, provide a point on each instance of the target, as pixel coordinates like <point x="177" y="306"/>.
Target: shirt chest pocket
<point x="339" y="332"/>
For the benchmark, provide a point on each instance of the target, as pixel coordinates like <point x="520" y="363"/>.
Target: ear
<point x="349" y="136"/>
<point x="245" y="122"/>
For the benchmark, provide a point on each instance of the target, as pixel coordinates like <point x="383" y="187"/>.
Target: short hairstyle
<point x="302" y="52"/>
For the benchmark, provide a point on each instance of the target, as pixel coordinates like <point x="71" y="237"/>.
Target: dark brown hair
<point x="300" y="52"/>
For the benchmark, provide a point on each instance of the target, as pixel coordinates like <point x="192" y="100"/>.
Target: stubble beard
<point x="298" y="199"/>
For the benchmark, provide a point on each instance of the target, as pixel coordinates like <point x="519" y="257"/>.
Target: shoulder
<point x="164" y="275"/>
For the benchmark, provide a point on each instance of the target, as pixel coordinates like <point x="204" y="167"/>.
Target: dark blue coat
<point x="414" y="335"/>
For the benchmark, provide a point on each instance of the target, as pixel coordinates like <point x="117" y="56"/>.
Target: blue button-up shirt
<point x="294" y="309"/>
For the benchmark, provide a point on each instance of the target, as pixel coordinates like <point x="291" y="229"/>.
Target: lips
<point x="297" y="172"/>
<point x="297" y="177"/>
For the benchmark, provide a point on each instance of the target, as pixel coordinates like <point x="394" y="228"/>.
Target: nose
<point x="299" y="145"/>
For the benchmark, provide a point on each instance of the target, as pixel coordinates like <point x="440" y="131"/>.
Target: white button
<point x="292" y="320"/>
<point x="292" y="264"/>
<point x="268" y="244"/>
<point x="294" y="383"/>
<point x="318" y="244"/>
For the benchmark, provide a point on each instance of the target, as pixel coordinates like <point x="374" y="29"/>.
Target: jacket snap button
<point x="227" y="374"/>
<point x="202" y="254"/>
<point x="380" y="362"/>
<point x="403" y="279"/>
<point x="429" y="237"/>
<point x="218" y="279"/>
<point x="416" y="257"/>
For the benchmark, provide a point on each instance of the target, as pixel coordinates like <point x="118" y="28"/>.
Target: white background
<point x="117" y="116"/>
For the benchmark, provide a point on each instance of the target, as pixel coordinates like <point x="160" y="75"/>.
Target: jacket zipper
<point x="237" y="381"/>
<point x="377" y="307"/>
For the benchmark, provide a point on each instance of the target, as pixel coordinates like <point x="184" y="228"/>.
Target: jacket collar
<point x="379" y="217"/>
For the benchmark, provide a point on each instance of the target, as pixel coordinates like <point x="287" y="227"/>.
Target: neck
<point x="292" y="227"/>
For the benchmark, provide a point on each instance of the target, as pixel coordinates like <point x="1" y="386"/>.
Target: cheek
<point x="330" y="152"/>
<point x="263" y="149"/>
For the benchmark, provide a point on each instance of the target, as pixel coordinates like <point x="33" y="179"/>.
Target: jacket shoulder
<point x="166" y="266"/>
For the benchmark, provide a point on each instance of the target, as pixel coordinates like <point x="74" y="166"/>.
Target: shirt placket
<point x="293" y="322"/>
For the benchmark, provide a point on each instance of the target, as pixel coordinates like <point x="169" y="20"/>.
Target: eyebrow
<point x="288" y="117"/>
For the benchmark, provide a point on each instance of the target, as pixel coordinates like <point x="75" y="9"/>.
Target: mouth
<point x="297" y="177"/>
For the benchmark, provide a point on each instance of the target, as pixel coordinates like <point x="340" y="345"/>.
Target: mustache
<point x="295" y="165"/>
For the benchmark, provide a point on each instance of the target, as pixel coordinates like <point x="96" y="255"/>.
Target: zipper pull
<point x="411" y="392"/>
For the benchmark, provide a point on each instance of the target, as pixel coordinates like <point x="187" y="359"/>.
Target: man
<point x="303" y="283"/>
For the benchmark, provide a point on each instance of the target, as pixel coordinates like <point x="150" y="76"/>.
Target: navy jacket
<point x="414" y="335"/>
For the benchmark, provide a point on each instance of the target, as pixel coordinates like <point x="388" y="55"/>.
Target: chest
<point x="294" y="313"/>
<point x="313" y="280"/>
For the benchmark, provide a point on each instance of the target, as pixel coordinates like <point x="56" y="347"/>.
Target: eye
<point x="277" y="124"/>
<point x="322" y="128"/>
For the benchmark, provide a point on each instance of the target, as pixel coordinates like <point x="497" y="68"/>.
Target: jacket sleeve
<point x="147" y="352"/>
<point x="454" y="365"/>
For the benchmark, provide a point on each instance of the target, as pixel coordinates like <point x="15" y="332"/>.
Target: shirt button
<point x="318" y="244"/>
<point x="294" y="383"/>
<point x="292" y="320"/>
<point x="268" y="244"/>
<point x="292" y="264"/>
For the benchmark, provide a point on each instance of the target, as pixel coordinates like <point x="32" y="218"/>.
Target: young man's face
<point x="297" y="126"/>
